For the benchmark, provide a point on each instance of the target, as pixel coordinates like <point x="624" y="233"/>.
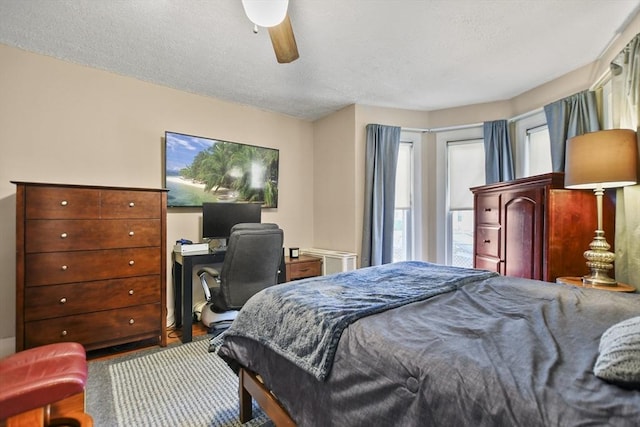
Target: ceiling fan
<point x="272" y="14"/>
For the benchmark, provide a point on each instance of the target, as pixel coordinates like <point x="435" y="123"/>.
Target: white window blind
<point x="539" y="151"/>
<point x="466" y="170"/>
<point x="404" y="176"/>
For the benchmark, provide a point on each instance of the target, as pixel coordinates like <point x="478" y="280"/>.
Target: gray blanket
<point x="303" y="321"/>
<point x="501" y="352"/>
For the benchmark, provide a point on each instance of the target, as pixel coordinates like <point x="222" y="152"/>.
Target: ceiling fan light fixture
<point x="266" y="13"/>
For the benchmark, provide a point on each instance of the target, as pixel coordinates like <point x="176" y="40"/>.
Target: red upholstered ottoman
<point x="34" y="379"/>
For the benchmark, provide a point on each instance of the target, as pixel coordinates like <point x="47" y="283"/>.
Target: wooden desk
<point x="296" y="268"/>
<point x="577" y="281"/>
<point x="183" y="287"/>
<point x="302" y="267"/>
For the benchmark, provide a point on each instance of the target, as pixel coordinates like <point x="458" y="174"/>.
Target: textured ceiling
<point x="413" y="54"/>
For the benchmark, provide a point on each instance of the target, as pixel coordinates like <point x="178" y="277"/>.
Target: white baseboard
<point x="7" y="346"/>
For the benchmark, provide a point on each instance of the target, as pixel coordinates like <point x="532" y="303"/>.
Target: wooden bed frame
<point x="251" y="386"/>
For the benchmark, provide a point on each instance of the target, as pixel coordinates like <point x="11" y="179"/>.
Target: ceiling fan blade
<point x="284" y="43"/>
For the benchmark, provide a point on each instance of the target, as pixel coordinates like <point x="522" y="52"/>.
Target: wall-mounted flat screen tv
<point x="203" y="170"/>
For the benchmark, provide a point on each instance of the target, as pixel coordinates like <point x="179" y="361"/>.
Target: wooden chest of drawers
<point x="90" y="265"/>
<point x="534" y="228"/>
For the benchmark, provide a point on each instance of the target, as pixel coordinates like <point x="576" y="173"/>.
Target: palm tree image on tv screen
<point x="199" y="170"/>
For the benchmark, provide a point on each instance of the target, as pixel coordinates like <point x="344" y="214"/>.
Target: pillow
<point x="619" y="358"/>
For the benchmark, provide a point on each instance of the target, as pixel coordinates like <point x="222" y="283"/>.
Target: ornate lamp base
<point x="600" y="261"/>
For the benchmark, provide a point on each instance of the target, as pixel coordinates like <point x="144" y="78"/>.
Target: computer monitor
<point x="219" y="218"/>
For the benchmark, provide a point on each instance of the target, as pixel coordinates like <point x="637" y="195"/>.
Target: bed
<point x="415" y="343"/>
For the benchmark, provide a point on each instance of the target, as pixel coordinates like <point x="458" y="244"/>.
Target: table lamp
<point x="599" y="160"/>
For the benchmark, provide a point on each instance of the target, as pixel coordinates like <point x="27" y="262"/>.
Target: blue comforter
<point x="303" y="321"/>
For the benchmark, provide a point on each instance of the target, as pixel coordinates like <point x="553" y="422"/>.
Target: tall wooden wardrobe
<point x="535" y="228"/>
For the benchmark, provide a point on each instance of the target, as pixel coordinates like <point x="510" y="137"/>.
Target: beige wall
<point x="334" y="186"/>
<point x="65" y="123"/>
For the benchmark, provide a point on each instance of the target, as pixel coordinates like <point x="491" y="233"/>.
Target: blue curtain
<point x="380" y="190"/>
<point x="569" y="117"/>
<point x="498" y="160"/>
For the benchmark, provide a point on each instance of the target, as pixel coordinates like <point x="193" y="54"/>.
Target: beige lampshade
<point x="606" y="159"/>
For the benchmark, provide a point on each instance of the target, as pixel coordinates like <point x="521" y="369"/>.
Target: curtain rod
<point x="441" y="129"/>
<point x="473" y="125"/>
<point x="525" y="115"/>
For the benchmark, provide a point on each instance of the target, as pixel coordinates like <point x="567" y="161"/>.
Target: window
<point x="465" y="170"/>
<point x="537" y="151"/>
<point x="406" y="215"/>
<point x="532" y="145"/>
<point x="459" y="166"/>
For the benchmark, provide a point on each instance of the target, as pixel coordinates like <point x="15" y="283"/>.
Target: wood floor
<point x="173" y="336"/>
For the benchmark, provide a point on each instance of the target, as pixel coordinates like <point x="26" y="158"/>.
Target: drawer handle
<point x="131" y="233"/>
<point x="64" y="203"/>
<point x="64" y="235"/>
<point x="487" y="209"/>
<point x="63" y="300"/>
<point x="131" y="321"/>
<point x="131" y="204"/>
<point x="487" y="241"/>
<point x="63" y="334"/>
<point x="64" y="268"/>
<point x="130" y="291"/>
<point x="132" y="262"/>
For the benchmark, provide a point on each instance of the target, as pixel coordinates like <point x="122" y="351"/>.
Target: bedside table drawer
<point x="303" y="267"/>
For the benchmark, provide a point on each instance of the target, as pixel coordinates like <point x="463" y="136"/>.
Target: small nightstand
<point x="577" y="281"/>
<point x="302" y="267"/>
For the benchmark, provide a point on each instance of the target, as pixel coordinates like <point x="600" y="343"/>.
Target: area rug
<point x="180" y="386"/>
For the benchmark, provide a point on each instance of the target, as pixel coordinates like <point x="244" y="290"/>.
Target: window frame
<point x="521" y="127"/>
<point x="444" y="227"/>
<point x="414" y="246"/>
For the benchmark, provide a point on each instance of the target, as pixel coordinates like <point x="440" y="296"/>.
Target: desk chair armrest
<point x="211" y="272"/>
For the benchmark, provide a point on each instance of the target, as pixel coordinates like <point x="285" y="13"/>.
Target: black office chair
<point x="251" y="263"/>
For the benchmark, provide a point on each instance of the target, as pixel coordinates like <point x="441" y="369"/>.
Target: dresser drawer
<point x="488" y="241"/>
<point x="488" y="209"/>
<point x="78" y="235"/>
<point x="487" y="263"/>
<point x="130" y="204"/>
<point x="68" y="267"/>
<point x="61" y="203"/>
<point x="91" y="328"/>
<point x="45" y="302"/>
<point x="301" y="270"/>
